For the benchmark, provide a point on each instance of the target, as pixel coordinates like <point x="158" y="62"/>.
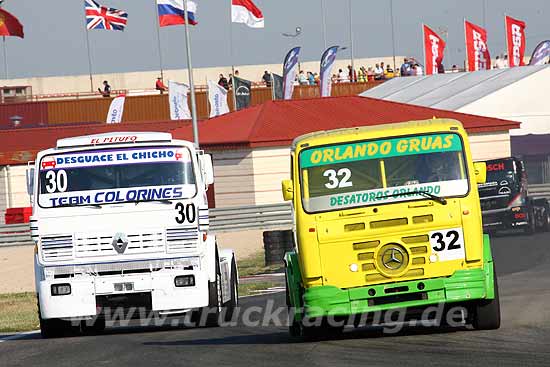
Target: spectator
<point x="499" y="63"/>
<point x="440" y="68"/>
<point x="352" y="74"/>
<point x="310" y="78"/>
<point x="302" y="78"/>
<point x="388" y="72"/>
<point x="378" y="72"/>
<point x="223" y="82"/>
<point x="106" y="92"/>
<point x="317" y="78"/>
<point x="362" y="75"/>
<point x="342" y="76"/>
<point x="237" y="73"/>
<point x="267" y="79"/>
<point x="230" y="81"/>
<point x="454" y="69"/>
<point x="506" y="61"/>
<point x="370" y="74"/>
<point x="419" y="70"/>
<point x="159" y="85"/>
<point x="334" y="79"/>
<point x="405" y="68"/>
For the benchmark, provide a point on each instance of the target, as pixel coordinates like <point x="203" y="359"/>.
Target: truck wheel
<point x="53" y="328"/>
<point x="487" y="312"/>
<point x="231" y="305"/>
<point x="214" y="297"/>
<point x="546" y="219"/>
<point x="530" y="228"/>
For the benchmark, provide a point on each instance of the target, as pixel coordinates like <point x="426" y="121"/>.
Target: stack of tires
<point x="276" y="244"/>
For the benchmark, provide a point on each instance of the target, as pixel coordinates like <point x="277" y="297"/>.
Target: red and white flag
<point x="244" y="11"/>
<point x="476" y="47"/>
<point x="434" y="46"/>
<point x="515" y="39"/>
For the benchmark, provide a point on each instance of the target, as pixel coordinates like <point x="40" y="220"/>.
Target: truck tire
<point x="53" y="328"/>
<point x="530" y="228"/>
<point x="487" y="312"/>
<point x="545" y="219"/>
<point x="214" y="298"/>
<point x="231" y="305"/>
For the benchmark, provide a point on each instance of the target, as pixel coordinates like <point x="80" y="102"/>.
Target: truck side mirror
<point x="480" y="170"/>
<point x="208" y="169"/>
<point x="30" y="180"/>
<point x="288" y="189"/>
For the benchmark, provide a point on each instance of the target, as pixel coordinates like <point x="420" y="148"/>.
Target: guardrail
<point x="15" y="235"/>
<point x="240" y="218"/>
<point x="540" y="191"/>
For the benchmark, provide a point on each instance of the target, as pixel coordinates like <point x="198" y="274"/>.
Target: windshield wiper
<point x="439" y="199"/>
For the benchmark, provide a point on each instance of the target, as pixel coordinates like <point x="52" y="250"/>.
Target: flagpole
<point x="467" y="66"/>
<point x="351" y="40"/>
<point x="5" y="57"/>
<point x="506" y="34"/>
<point x="190" y="72"/>
<point x="392" y="35"/>
<point x="158" y="41"/>
<point x="88" y="49"/>
<point x="231" y="54"/>
<point x="424" y="49"/>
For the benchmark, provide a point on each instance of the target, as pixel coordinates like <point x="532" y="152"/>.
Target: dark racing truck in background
<point x="505" y="202"/>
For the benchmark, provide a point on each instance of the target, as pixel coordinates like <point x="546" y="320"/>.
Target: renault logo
<point x="393" y="258"/>
<point x="119" y="243"/>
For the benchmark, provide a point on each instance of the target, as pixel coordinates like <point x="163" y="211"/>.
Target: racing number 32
<point x="448" y="244"/>
<point x="186" y="213"/>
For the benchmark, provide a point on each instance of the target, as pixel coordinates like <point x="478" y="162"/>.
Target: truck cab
<point x="505" y="201"/>
<point x="387" y="217"/>
<point x="121" y="227"/>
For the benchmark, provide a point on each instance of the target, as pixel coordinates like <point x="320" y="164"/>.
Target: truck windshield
<point x="498" y="170"/>
<point x="376" y="172"/>
<point x="97" y="177"/>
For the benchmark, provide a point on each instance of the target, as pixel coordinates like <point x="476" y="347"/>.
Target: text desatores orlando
<point x="380" y="195"/>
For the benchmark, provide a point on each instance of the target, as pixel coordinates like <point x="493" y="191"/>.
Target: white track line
<point x="18" y="336"/>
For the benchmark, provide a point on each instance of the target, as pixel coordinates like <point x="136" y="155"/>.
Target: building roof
<point x="273" y="123"/>
<point x="277" y="123"/>
<point x="450" y="91"/>
<point x="530" y="144"/>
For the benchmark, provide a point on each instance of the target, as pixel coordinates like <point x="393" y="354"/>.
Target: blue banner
<point x="541" y="52"/>
<point x="327" y="61"/>
<point x="290" y="67"/>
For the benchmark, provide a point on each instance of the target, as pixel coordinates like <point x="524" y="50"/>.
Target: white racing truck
<point x="120" y="223"/>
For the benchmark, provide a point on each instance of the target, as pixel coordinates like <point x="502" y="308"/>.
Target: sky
<point x="55" y="36"/>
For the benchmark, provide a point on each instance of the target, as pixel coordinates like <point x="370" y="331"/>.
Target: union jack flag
<point x="102" y="17"/>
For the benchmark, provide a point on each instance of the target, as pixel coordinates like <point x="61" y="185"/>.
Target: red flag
<point x="476" y="47"/>
<point x="434" y="46"/>
<point x="10" y="25"/>
<point x="515" y="39"/>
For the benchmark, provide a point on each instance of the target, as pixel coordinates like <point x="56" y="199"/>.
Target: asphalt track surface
<point x="523" y="267"/>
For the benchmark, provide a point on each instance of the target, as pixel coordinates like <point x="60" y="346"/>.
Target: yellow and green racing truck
<point x="387" y="217"/>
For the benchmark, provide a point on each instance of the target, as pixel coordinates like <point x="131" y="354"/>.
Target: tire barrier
<point x="276" y="244"/>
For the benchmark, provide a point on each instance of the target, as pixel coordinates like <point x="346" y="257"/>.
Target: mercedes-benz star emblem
<point x="119" y="243"/>
<point x="393" y="258"/>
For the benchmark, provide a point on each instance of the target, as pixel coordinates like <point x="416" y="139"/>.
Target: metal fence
<point x="241" y="218"/>
<point x="540" y="191"/>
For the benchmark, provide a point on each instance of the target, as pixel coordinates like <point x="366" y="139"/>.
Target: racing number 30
<point x="186" y="213"/>
<point x="449" y="241"/>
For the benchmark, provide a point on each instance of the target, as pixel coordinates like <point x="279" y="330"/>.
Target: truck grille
<point x="416" y="248"/>
<point x="55" y="248"/>
<point x="88" y="245"/>
<point x="181" y="239"/>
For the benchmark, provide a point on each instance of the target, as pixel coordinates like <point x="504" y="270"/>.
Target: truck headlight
<point x="61" y="289"/>
<point x="184" y="281"/>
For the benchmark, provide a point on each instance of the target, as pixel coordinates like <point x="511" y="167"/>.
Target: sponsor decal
<point x="380" y="149"/>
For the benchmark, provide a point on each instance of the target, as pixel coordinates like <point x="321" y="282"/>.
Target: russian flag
<point x="171" y="12"/>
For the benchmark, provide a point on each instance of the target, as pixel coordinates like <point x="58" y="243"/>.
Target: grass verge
<point x="255" y="265"/>
<point x="18" y="312"/>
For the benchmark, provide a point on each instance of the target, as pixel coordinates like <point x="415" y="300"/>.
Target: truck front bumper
<point x="505" y="218"/>
<point x="89" y="292"/>
<point x="463" y="285"/>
